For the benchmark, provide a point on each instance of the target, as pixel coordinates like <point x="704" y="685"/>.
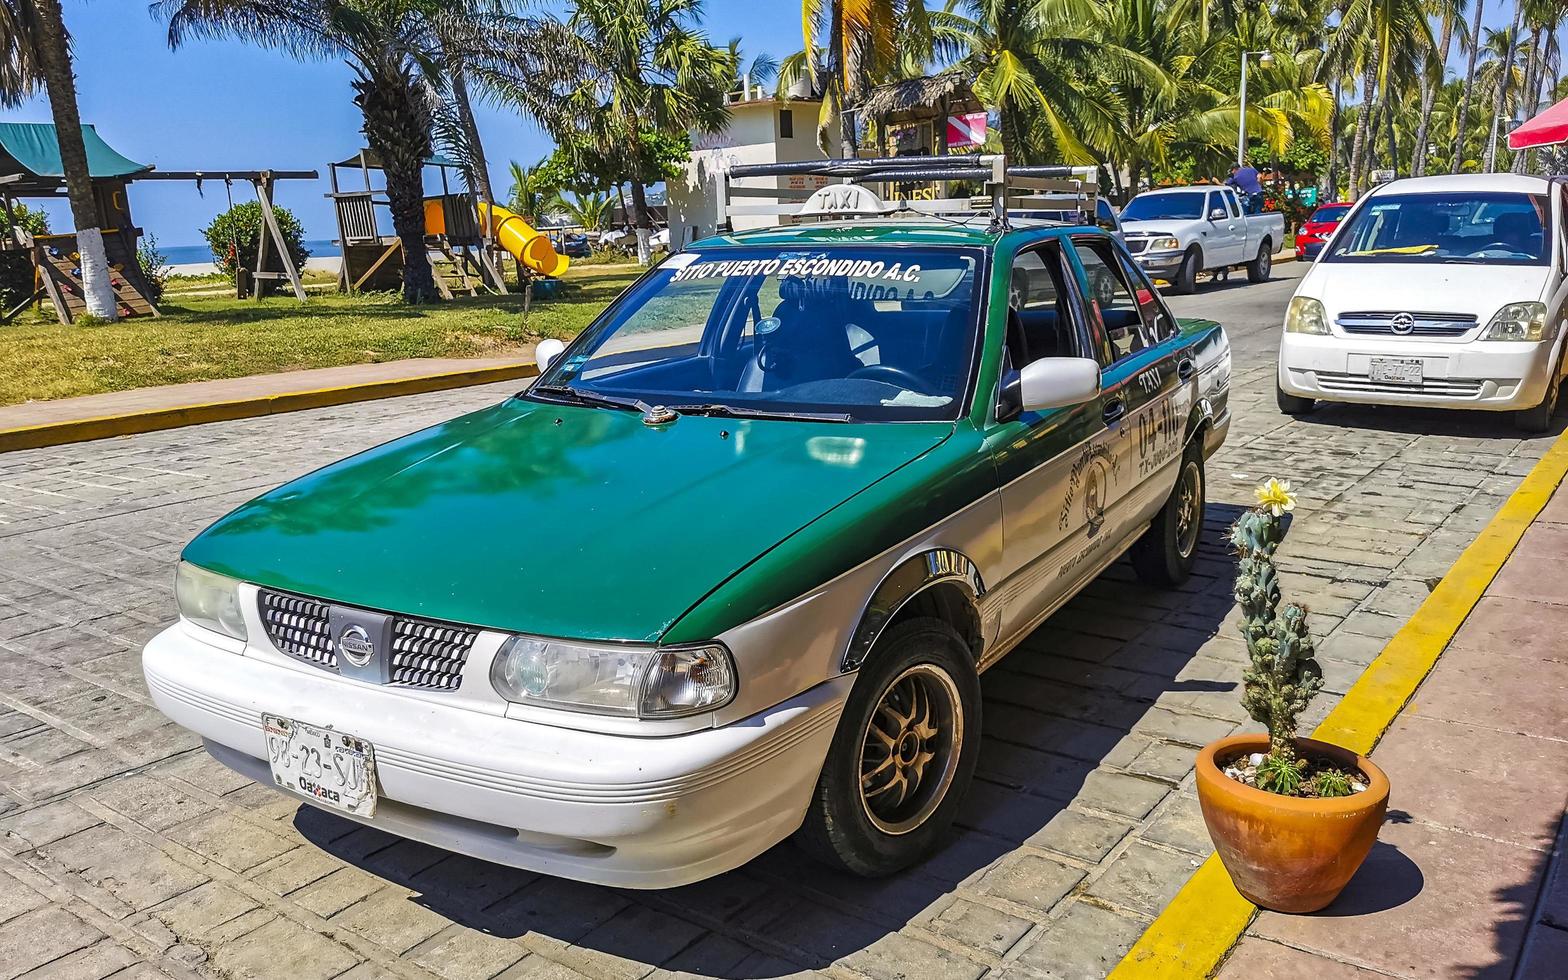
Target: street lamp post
<point x="1265" y="58"/>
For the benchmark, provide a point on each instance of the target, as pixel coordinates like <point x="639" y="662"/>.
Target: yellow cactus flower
<point x="1275" y="497"/>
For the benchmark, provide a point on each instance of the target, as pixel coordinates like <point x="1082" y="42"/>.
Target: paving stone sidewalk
<point x="1468" y="878"/>
<point x="125" y="851"/>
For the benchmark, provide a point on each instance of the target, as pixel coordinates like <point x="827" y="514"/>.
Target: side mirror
<point x="1218" y="214"/>
<point x="547" y="351"/>
<point x="1057" y="382"/>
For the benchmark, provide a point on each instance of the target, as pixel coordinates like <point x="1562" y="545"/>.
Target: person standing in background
<point x="1244" y="177"/>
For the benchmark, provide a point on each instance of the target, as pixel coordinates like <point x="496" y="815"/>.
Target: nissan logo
<point x="356" y="645"/>
<point x="1402" y="323"/>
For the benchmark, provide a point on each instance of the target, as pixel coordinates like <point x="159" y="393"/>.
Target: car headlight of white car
<point x="1306" y="315"/>
<point x="1518" y="321"/>
<point x="1163" y="244"/>
<point x="209" y="599"/>
<point x="614" y="679"/>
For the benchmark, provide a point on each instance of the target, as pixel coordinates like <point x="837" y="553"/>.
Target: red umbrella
<point x="1547" y="129"/>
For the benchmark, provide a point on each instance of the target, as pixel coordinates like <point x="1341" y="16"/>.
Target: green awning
<point x="34" y="150"/>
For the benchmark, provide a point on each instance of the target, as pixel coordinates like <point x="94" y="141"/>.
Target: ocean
<point x="191" y="254"/>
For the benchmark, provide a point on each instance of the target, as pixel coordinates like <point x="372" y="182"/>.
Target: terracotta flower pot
<point x="1285" y="853"/>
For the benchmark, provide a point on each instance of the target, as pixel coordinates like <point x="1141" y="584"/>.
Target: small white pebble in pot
<point x="1358" y="787"/>
<point x="1256" y="758"/>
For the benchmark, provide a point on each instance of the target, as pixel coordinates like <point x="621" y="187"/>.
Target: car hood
<point x="554" y="520"/>
<point x="1479" y="290"/>
<point x="1158" y="226"/>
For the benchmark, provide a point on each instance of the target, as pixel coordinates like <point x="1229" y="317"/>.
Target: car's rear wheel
<point x="903" y="754"/>
<point x="1164" y="556"/>
<point x="1291" y="404"/>
<point x="1262" y="264"/>
<point x="1539" y="418"/>
<point x="1186" y="281"/>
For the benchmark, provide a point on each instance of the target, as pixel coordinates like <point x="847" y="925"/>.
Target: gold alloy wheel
<point x="1189" y="508"/>
<point x="909" y="750"/>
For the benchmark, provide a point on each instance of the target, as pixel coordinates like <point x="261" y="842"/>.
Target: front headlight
<point x="1306" y="315"/>
<point x="1518" y="321"/>
<point x="1165" y="243"/>
<point x="209" y="599"/>
<point x="613" y="679"/>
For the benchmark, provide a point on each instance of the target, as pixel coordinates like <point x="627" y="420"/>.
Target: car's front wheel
<point x="1539" y="418"/>
<point x="1291" y="404"/>
<point x="1164" y="556"/>
<point x="902" y="756"/>
<point x="1186" y="281"/>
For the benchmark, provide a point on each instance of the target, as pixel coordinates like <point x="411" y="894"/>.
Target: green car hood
<point x="554" y="520"/>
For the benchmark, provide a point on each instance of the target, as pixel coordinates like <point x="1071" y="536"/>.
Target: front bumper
<point x="1306" y="251"/>
<point x="1160" y="265"/>
<point x="616" y="810"/>
<point x="1487" y="375"/>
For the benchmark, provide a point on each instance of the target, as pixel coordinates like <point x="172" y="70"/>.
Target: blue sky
<point x="225" y="105"/>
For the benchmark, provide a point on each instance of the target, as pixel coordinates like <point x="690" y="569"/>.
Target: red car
<point x="1318" y="229"/>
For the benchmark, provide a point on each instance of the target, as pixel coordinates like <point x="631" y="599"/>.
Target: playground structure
<point x="473" y="236"/>
<point x="30" y="168"/>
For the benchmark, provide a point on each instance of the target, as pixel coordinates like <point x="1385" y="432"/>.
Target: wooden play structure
<point x="474" y="237"/>
<point x="30" y="168"/>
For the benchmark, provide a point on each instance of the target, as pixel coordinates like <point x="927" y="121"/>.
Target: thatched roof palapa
<point x="913" y="94"/>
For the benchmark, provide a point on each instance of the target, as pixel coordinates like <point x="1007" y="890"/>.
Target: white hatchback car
<point x="1445" y="292"/>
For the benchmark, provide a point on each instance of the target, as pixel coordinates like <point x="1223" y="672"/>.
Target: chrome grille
<point x="1447" y="387"/>
<point x="299" y="627"/>
<point x="425" y="654"/>
<point x="1389" y="323"/>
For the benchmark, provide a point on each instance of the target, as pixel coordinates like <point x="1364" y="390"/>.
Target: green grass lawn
<point x="202" y="337"/>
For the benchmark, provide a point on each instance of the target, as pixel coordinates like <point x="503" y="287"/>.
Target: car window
<point x="1040" y="322"/>
<point x="1112" y="296"/>
<point x="1170" y="204"/>
<point x="873" y="332"/>
<point x="1333" y="212"/>
<point x="1451" y="227"/>
<point x="1158" y="323"/>
<point x="1232" y="204"/>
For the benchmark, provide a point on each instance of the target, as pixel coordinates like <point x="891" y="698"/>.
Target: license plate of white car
<point x="1397" y="370"/>
<point x="333" y="768"/>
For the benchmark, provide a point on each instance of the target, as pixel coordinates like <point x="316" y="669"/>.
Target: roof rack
<point x="1006" y="189"/>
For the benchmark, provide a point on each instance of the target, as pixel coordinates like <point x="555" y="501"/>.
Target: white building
<point x="762" y="129"/>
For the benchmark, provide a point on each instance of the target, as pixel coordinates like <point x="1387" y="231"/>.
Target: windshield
<point x="864" y="333"/>
<point x="1152" y="207"/>
<point x="1331" y="212"/>
<point x="1482" y="228"/>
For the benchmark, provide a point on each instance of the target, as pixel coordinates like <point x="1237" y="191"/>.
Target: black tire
<point x="845" y="828"/>
<point x="1186" y="281"/>
<point x="1262" y="264"/>
<point x="1292" y="404"/>
<point x="1539" y="418"/>
<point x="1164" y="556"/>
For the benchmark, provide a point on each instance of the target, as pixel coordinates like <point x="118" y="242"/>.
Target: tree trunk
<point x="1330" y="188"/>
<point x="643" y="222"/>
<point x="480" y="178"/>
<point x="1358" y="147"/>
<point x="1429" y="87"/>
<point x="55" y="60"/>
<point x="397" y="127"/>
<point x="1530" y="95"/>
<point x="1393" y="139"/>
<point x="1464" y="103"/>
<point x="1504" y="79"/>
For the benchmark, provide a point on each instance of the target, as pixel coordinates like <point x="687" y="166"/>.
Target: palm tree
<point x="35" y="52"/>
<point x="1450" y="12"/>
<point x="1505" y="79"/>
<point x="527" y="197"/>
<point x="1388" y="39"/>
<point x="400" y="52"/>
<point x="762" y="69"/>
<point x="1464" y="101"/>
<point x="645" y="68"/>
<point x="591" y="210"/>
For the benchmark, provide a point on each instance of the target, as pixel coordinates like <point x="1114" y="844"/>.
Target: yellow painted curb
<point x="152" y="420"/>
<point x="1198" y="928"/>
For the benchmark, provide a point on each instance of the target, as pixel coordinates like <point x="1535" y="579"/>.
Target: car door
<point x="1146" y="383"/>
<point x="1230" y="230"/>
<point x="1052" y="466"/>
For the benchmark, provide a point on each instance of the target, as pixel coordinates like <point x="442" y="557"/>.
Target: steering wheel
<point x="1509" y="246"/>
<point x="904" y="379"/>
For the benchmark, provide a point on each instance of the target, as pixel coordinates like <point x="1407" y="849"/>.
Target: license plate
<point x="333" y="768"/>
<point x="1396" y="370"/>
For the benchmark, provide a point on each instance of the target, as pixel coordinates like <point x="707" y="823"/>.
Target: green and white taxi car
<point x="728" y="571"/>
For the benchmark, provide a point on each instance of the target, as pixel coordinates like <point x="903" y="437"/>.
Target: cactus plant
<point x="1282" y="677"/>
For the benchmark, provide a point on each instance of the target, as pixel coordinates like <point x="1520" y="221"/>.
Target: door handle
<point x="1186" y="369"/>
<point x="1114" y="410"/>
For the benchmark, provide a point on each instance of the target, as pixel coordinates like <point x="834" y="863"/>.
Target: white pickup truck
<point x="1177" y="232"/>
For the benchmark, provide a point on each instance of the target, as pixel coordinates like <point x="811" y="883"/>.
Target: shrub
<point x="235" y="234"/>
<point x="155" y="267"/>
<point x="16" y="267"/>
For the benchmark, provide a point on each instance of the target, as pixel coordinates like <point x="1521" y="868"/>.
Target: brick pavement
<point x="127" y="850"/>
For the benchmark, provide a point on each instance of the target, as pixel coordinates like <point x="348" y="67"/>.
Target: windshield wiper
<point x="732" y="411"/>
<point x="582" y="397"/>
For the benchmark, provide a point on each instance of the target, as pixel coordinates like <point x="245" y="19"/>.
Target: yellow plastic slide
<point x="526" y="243"/>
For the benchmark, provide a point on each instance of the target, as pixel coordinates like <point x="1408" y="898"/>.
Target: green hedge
<point x="240" y="227"/>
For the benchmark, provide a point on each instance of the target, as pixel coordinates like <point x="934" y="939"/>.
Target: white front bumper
<point x="1490" y="375"/>
<point x="610" y="809"/>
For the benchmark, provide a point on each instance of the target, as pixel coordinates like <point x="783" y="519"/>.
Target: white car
<point x="1444" y="292"/>
<point x="1177" y="232"/>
